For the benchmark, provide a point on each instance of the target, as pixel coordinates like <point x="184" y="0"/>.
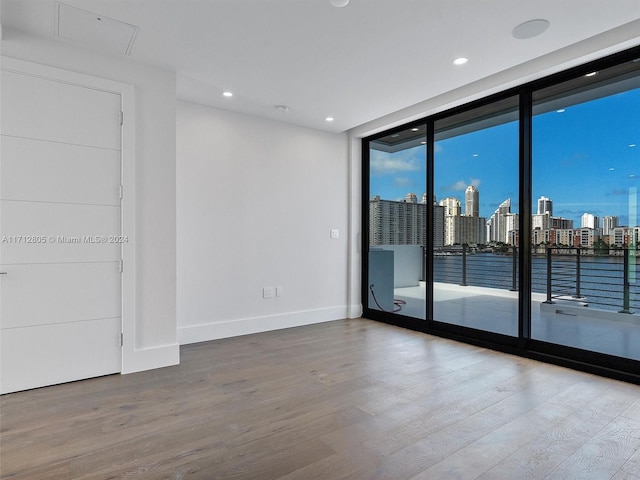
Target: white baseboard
<point x="355" y="311"/>
<point x="244" y="326"/>
<point x="150" y="358"/>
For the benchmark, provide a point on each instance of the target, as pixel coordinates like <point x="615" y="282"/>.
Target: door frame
<point x="127" y="180"/>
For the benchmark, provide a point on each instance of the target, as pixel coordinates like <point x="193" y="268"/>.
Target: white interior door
<point x="60" y="227"/>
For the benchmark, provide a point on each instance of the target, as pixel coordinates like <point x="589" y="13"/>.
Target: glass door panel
<point x="475" y="244"/>
<point x="397" y="223"/>
<point x="585" y="224"/>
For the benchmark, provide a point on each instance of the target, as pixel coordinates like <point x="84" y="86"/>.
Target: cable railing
<point x="467" y="267"/>
<point x="585" y="277"/>
<point x="569" y="275"/>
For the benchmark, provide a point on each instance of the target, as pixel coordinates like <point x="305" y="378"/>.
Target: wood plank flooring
<point x="350" y="399"/>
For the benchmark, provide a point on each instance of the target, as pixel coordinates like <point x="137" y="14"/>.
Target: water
<point x="601" y="278"/>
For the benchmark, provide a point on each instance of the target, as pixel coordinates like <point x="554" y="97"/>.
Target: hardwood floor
<point x="351" y="399"/>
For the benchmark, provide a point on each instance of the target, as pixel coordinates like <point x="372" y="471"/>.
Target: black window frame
<point x="523" y="345"/>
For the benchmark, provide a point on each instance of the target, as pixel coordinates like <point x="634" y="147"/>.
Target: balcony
<point x="578" y="299"/>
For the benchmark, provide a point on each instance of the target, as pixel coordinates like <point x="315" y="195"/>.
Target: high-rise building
<point x="438" y="225"/>
<point x="589" y="221"/>
<point x="460" y="229"/>
<point x="450" y="228"/>
<point x="561" y="223"/>
<point x="471" y="202"/>
<point x="497" y="224"/>
<point x="451" y="206"/>
<point x="511" y="226"/>
<point x="541" y="221"/>
<point x="545" y="205"/>
<point x="403" y="222"/>
<point x="468" y="229"/>
<point x="608" y="224"/>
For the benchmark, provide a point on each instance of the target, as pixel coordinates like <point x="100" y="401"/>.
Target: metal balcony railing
<point x="579" y="276"/>
<point x="465" y="267"/>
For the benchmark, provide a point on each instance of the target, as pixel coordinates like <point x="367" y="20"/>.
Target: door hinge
<point x="121" y="118"/>
<point x="122" y="339"/>
<point x="121" y="266"/>
<point x="121" y="191"/>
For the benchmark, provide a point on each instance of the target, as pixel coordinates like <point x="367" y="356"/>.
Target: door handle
<point x="3" y="273"/>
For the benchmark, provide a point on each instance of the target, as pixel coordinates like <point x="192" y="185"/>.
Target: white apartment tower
<point x="498" y="224"/>
<point x="545" y="205"/>
<point x="589" y="221"/>
<point x="451" y="206"/>
<point x="463" y="229"/>
<point x="609" y="223"/>
<point x="471" y="202"/>
<point x="541" y="221"/>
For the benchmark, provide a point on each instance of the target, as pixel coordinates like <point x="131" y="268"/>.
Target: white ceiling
<point x="357" y="63"/>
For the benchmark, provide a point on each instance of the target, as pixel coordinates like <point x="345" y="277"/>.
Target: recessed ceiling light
<point x="530" y="29"/>
<point x="329" y="119"/>
<point x="632" y="145"/>
<point x="591" y="74"/>
<point x="415" y="129"/>
<point x="227" y="94"/>
<point x="460" y="61"/>
<point x="339" y="3"/>
<point x="423" y="143"/>
<point x="611" y="169"/>
<point x="282" y="108"/>
<point x="560" y="110"/>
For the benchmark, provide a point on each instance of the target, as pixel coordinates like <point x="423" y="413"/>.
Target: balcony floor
<point x="494" y="310"/>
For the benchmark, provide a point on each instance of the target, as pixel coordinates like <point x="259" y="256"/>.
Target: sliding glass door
<point x="586" y="174"/>
<point x="514" y="221"/>
<point x="475" y="250"/>
<point x="397" y="228"/>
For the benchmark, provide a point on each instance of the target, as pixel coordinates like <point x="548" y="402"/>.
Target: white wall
<point x="155" y="133"/>
<point x="256" y="202"/>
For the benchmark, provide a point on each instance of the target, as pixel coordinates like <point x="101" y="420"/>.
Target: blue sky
<point x="584" y="159"/>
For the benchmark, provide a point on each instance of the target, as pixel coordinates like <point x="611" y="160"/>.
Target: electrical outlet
<point x="267" y="292"/>
<point x="335" y="233"/>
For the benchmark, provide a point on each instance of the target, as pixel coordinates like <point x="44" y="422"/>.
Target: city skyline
<point x="584" y="159"/>
<point x="405" y="222"/>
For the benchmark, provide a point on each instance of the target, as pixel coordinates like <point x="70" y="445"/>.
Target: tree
<point x="600" y="247"/>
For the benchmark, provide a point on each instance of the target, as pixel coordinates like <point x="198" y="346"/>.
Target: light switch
<point x="335" y="233"/>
